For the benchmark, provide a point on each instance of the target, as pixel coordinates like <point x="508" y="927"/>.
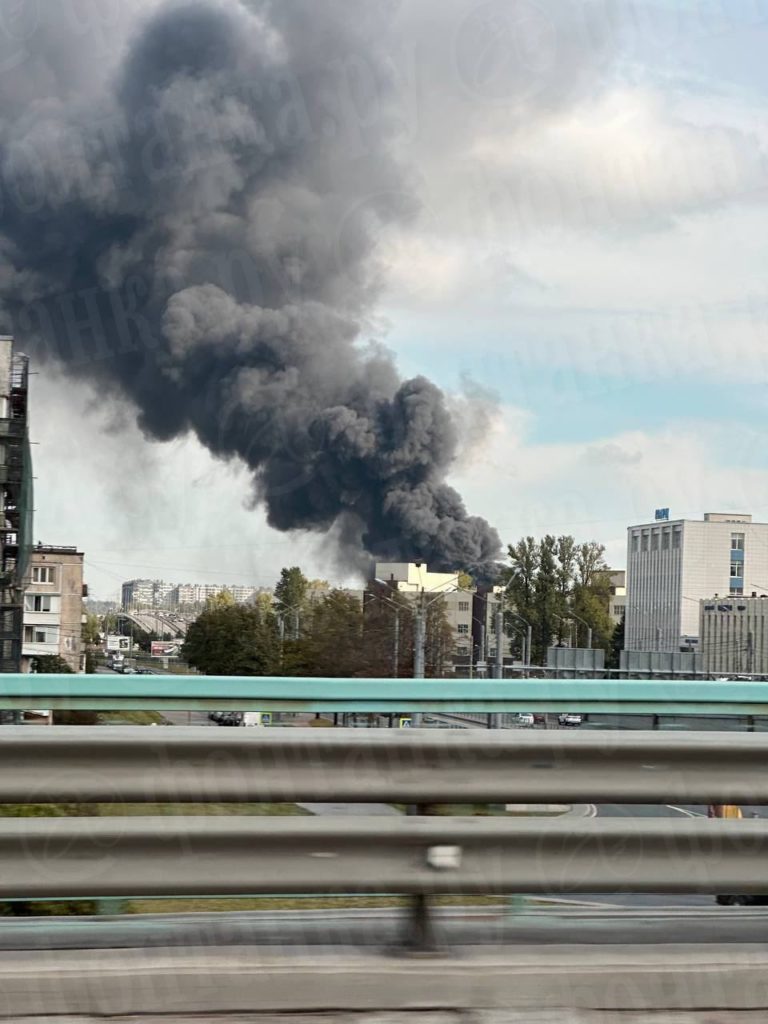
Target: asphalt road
<point x="350" y="928"/>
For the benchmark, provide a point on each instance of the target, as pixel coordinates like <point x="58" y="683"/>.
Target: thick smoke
<point x="198" y="232"/>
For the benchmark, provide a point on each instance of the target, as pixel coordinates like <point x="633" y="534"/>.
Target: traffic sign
<point x="405" y="723"/>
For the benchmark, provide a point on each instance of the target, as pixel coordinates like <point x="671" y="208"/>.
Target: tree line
<point x="314" y="631"/>
<point x="559" y="586"/>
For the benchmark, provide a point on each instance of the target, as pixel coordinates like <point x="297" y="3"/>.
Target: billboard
<point x="166" y="648"/>
<point x="118" y="643"/>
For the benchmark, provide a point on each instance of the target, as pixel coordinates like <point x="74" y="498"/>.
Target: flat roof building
<point x="673" y="564"/>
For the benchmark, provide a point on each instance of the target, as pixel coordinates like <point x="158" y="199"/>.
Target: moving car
<point x="525" y="718"/>
<point x="569" y="719"/>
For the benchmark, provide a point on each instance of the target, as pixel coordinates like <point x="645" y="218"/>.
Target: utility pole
<point x="494" y="719"/>
<point x="396" y="646"/>
<point x="419" y="651"/>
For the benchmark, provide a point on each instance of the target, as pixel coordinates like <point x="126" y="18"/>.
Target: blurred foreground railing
<point x="124" y="856"/>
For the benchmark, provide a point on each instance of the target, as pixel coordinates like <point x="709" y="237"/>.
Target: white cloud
<point x="595" y="489"/>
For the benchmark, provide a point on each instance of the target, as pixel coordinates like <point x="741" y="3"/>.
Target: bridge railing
<point x="266" y="693"/>
<point x="126" y="856"/>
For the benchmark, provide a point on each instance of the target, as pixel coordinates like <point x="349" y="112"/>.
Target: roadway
<point x="534" y="923"/>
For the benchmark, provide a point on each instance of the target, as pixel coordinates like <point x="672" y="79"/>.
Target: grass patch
<point x="131" y="718"/>
<point x="162" y="810"/>
<point x="216" y="905"/>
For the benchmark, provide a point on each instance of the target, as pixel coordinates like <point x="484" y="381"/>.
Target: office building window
<point x="655" y="540"/>
<point x="635" y="543"/>
<point x="644" y="542"/>
<point x="737" y="542"/>
<point x="462" y="628"/>
<point x="43" y="574"/>
<point x="463" y="606"/>
<point x="676" y="539"/>
<point x="665" y="540"/>
<point x="737" y="570"/>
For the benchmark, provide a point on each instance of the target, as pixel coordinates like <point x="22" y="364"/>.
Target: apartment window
<point x="644" y="542"/>
<point x="635" y="543"/>
<point x="737" y="542"/>
<point x="40" y="635"/>
<point x="655" y="540"/>
<point x="463" y="606"/>
<point x="43" y="574"/>
<point x="38" y="603"/>
<point x="665" y="540"/>
<point x="462" y="628"/>
<point x="737" y="570"/>
<point x="618" y="609"/>
<point x="492" y="652"/>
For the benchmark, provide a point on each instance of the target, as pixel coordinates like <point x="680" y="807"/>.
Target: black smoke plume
<point x="197" y="231"/>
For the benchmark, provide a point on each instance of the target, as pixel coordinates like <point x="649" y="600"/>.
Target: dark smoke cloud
<point x="195" y="228"/>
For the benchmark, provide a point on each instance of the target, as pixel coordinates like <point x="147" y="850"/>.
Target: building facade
<point x="15" y="502"/>
<point x="734" y="635"/>
<point x="673" y="565"/>
<point x="413" y="579"/>
<point x="617" y="603"/>
<point x="53" y="606"/>
<point x="138" y="595"/>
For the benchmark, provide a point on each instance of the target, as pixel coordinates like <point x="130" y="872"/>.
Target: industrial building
<point x="734" y="635"/>
<point x="53" y="606"/>
<point x="672" y="565"/>
<point x="16" y="501"/>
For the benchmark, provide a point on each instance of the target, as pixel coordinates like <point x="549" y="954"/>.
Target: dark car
<point x="742" y="901"/>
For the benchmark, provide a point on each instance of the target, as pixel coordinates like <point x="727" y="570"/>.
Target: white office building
<point x="673" y="564"/>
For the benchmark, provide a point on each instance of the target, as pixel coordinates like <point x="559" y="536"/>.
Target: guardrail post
<point x="419" y="929"/>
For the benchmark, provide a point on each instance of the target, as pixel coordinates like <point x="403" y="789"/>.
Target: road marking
<point x="688" y="814"/>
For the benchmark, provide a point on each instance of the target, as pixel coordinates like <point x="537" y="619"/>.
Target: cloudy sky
<point x="584" y="277"/>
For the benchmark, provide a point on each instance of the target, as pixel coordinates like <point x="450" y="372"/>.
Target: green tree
<point x="617" y="643"/>
<point x="49" y="664"/>
<point x="91" y="629"/>
<point x="553" y="579"/>
<point x="233" y="640"/>
<point x="330" y="643"/>
<point x="291" y="590"/>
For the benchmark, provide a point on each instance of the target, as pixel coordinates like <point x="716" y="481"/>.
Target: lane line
<point x="688" y="814"/>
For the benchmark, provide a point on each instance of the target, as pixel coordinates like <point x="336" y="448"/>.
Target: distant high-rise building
<point x="673" y="565"/>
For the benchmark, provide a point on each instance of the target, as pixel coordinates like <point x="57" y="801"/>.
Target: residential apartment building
<point x="147" y="594"/>
<point x="53" y="606"/>
<point x="15" y="503"/>
<point x="673" y="565"/>
<point x="734" y="635"/>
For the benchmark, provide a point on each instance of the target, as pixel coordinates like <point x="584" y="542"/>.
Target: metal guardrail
<point x="267" y="693"/>
<point x="231" y="856"/>
<point x="185" y="764"/>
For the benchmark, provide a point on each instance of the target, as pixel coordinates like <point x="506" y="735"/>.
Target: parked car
<point x="525" y="718"/>
<point x="231" y="718"/>
<point x="144" y="672"/>
<point x="569" y="720"/>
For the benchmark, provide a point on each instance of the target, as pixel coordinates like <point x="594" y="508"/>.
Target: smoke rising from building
<point x="196" y="230"/>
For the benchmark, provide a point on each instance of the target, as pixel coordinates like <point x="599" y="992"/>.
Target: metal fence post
<point x="419" y="928"/>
